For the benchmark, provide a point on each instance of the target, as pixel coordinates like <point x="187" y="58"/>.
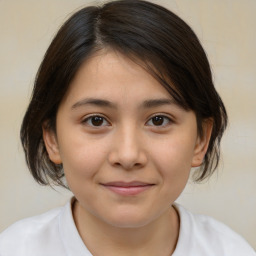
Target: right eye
<point x="95" y="121"/>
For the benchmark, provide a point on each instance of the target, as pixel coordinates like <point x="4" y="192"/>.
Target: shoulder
<point x="30" y="234"/>
<point x="207" y="236"/>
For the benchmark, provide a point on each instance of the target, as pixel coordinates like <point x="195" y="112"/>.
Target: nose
<point x="127" y="150"/>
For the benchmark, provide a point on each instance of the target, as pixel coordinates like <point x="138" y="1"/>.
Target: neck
<point x="157" y="238"/>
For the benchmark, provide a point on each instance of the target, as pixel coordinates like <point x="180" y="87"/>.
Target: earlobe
<point x="51" y="144"/>
<point x="202" y="143"/>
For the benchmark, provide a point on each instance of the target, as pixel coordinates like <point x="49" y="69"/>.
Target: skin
<point x="128" y="143"/>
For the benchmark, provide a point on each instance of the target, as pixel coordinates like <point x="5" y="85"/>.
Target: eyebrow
<point x="96" y="102"/>
<point x="158" y="102"/>
<point x="105" y="103"/>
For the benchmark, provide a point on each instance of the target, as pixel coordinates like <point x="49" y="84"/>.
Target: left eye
<point x="96" y="121"/>
<point x="159" y="121"/>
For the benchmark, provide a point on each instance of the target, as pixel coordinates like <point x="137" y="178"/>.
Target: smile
<point x="127" y="188"/>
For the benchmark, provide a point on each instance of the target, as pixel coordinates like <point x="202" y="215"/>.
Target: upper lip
<point x="127" y="184"/>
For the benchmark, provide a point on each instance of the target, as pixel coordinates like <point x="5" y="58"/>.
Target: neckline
<point x="74" y="244"/>
<point x="70" y="237"/>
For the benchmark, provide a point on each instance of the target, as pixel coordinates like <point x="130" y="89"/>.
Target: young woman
<point x="123" y="107"/>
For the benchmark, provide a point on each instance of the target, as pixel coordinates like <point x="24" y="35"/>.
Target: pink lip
<point x="127" y="188"/>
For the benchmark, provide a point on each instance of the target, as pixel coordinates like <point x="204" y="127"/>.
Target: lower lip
<point x="128" y="191"/>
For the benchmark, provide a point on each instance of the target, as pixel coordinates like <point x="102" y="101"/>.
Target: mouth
<point x="128" y="188"/>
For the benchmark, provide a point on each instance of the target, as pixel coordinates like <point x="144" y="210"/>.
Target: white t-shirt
<point x="54" y="234"/>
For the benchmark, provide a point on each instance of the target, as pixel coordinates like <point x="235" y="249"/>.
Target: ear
<point x="202" y="143"/>
<point x="51" y="144"/>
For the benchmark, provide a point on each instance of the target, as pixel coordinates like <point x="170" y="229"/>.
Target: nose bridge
<point x="127" y="150"/>
<point x="129" y="137"/>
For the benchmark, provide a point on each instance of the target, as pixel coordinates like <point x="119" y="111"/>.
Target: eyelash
<point x="169" y="120"/>
<point x="89" y="118"/>
<point x="103" y="119"/>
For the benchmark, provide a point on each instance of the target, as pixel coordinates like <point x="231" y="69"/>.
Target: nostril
<point x="128" y="156"/>
<point x="128" y="164"/>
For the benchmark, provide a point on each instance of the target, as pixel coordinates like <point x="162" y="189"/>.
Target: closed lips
<point x="128" y="188"/>
<point x="127" y="184"/>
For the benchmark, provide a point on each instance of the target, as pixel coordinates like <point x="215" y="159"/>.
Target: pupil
<point x="97" y="120"/>
<point x="158" y="120"/>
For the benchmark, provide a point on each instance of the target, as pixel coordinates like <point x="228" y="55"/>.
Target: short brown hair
<point x="143" y="31"/>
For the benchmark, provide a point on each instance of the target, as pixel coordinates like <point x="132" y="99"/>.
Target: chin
<point x="128" y="219"/>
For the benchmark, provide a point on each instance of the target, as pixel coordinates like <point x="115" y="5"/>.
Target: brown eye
<point x="96" y="121"/>
<point x="159" y="121"/>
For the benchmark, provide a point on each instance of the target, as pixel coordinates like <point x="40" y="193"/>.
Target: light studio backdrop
<point x="227" y="32"/>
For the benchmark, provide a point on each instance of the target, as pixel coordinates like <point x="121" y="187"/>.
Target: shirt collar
<point x="70" y="237"/>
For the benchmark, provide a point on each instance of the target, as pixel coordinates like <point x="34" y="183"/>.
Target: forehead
<point x="114" y="76"/>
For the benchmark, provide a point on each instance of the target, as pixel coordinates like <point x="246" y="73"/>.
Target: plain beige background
<point x="227" y="30"/>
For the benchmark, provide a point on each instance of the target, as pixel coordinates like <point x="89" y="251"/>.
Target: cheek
<point x="173" y="159"/>
<point x="82" y="158"/>
<point x="81" y="167"/>
<point x="175" y="152"/>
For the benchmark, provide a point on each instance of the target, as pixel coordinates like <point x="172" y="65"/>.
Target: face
<point x="126" y="147"/>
